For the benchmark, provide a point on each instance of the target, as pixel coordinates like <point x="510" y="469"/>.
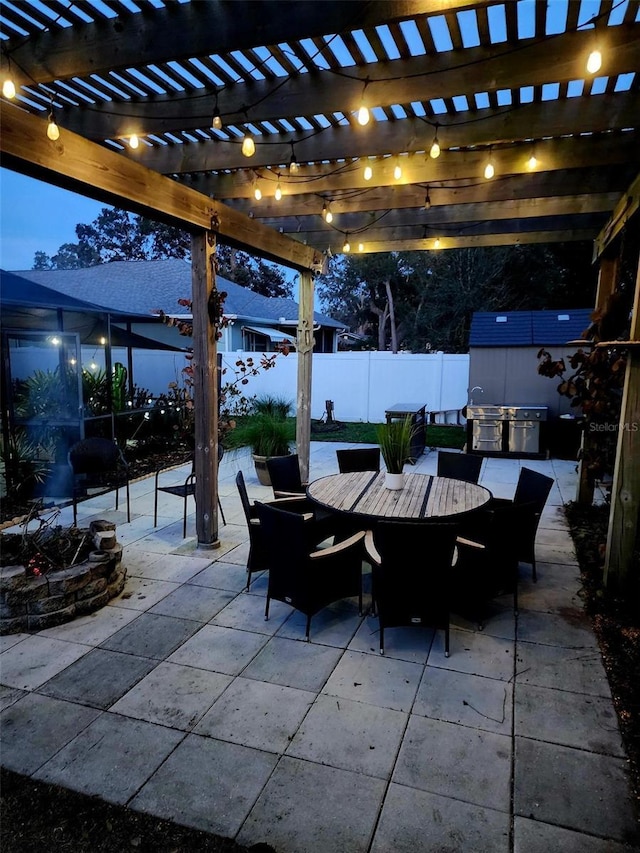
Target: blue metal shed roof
<point x="501" y="329"/>
<point x="558" y="327"/>
<point x="527" y="328"/>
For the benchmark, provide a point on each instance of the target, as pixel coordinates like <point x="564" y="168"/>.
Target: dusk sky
<point x="36" y="216"/>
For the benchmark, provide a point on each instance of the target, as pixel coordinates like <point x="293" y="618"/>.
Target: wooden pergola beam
<point x="214" y="25"/>
<point x="399" y="217"/>
<point x="468" y="242"/>
<point x="400" y="81"/>
<point x="82" y="166"/>
<point x="572" y="182"/>
<point x="627" y="206"/>
<point x="494" y="127"/>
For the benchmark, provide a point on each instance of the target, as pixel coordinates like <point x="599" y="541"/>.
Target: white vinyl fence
<point x="363" y="384"/>
<point x="360" y="384"/>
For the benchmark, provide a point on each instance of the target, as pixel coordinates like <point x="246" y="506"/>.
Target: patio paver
<point x="178" y="699"/>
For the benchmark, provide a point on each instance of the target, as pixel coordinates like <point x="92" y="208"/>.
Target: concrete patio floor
<point x="178" y="699"/>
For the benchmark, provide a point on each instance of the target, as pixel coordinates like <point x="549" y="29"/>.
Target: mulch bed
<point x="616" y="623"/>
<point x="38" y="817"/>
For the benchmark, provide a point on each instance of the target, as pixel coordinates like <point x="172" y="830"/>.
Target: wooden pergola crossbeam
<point x="495" y="127"/>
<point x="75" y="163"/>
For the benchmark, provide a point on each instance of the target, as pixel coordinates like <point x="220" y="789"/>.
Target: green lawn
<point x="360" y="433"/>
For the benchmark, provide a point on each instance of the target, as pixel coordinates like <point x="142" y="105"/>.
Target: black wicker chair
<point x="258" y="559"/>
<point x="412" y="574"/>
<point x="183" y="490"/>
<point x="284" y="473"/>
<point x="97" y="463"/>
<point x="358" y="459"/>
<point x="459" y="466"/>
<point x="301" y="575"/>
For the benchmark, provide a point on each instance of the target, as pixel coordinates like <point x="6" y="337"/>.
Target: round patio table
<point x="423" y="497"/>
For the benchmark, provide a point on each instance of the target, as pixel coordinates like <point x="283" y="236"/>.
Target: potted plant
<point x="394" y="439"/>
<point x="267" y="432"/>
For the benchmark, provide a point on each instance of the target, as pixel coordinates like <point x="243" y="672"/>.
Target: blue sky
<point x="36" y="216"/>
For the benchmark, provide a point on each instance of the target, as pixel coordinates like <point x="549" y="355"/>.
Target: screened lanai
<point x="296" y="130"/>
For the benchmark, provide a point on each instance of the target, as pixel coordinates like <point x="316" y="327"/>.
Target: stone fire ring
<point x="33" y="602"/>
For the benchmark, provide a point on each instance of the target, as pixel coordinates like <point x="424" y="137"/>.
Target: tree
<point x="117" y="235"/>
<point x="433" y="294"/>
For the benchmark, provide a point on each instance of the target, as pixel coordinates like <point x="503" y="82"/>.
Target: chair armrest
<point x="469" y="543"/>
<point x="370" y="548"/>
<point x="338" y="548"/>
<point x="280" y="494"/>
<point x="292" y="497"/>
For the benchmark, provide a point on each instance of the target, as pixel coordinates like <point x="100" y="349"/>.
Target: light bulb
<point x="427" y="202"/>
<point x="248" y="146"/>
<point x="8" y="88"/>
<point x="594" y="63"/>
<point x="435" y="148"/>
<point x="436" y="244"/>
<point x="397" y="172"/>
<point x="489" y="171"/>
<point x="368" y="173"/>
<point x="361" y="247"/>
<point x="133" y="141"/>
<point x="294" y="167"/>
<point x="278" y="192"/>
<point x="347" y="246"/>
<point x="532" y="162"/>
<point x="329" y="216"/>
<point x="217" y="120"/>
<point x="363" y="115"/>
<point x="257" y="193"/>
<point x="53" y="131"/>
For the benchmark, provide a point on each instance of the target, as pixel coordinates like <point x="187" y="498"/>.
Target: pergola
<point x="156" y="101"/>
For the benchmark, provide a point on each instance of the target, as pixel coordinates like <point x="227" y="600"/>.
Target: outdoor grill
<point x="505" y="429"/>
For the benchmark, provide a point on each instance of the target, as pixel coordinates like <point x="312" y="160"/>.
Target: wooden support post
<point x="305" y="355"/>
<point x="203" y="283"/>
<point x="607" y="280"/>
<point x="625" y="491"/>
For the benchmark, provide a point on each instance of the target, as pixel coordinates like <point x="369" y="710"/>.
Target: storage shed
<point x="503" y="349"/>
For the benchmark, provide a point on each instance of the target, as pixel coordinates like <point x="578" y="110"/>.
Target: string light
<point x="278" y="192"/>
<point x="489" y="171"/>
<point x="53" y="131"/>
<point x="436" y="244"/>
<point x="346" y="248"/>
<point x="294" y="166"/>
<point x="368" y="172"/>
<point x="217" y="119"/>
<point x="248" y="145"/>
<point x="134" y="142"/>
<point x="326" y="213"/>
<point x="594" y="63"/>
<point x="364" y="116"/>
<point x="257" y="193"/>
<point x="427" y="201"/>
<point x="9" y="88"/>
<point x="532" y="162"/>
<point x="434" y="151"/>
<point x="361" y="247"/>
<point x="397" y="172"/>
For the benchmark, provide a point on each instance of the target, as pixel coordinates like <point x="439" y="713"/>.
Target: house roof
<point x="527" y="328"/>
<point x="32" y="307"/>
<point x="143" y="287"/>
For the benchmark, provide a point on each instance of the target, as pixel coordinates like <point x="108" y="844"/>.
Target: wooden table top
<point x="423" y="496"/>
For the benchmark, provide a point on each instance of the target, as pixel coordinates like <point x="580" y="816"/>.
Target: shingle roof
<point x="527" y="328"/>
<point x="142" y="287"/>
